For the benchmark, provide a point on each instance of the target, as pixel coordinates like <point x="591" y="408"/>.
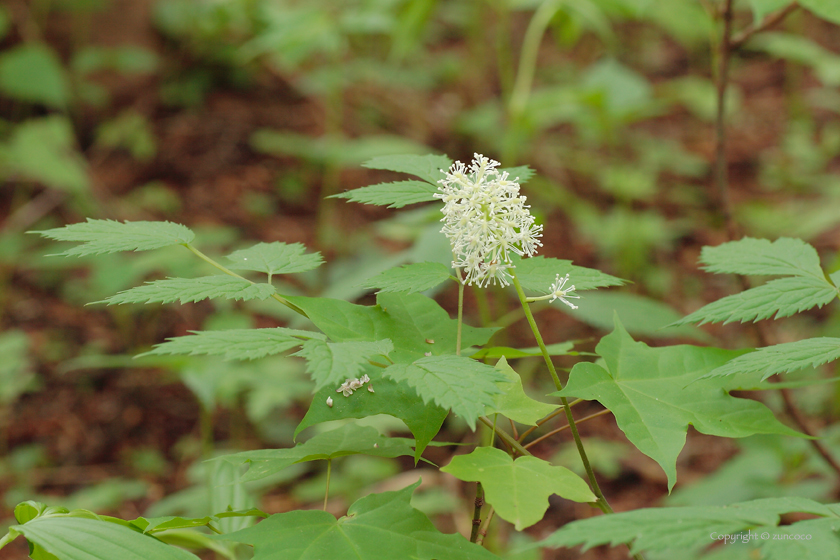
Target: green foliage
<point x="756" y="257"/>
<point x="538" y="274"/>
<point x="761" y="8"/>
<point x="188" y="290"/>
<point x="653" y="395"/>
<point x="109" y="236"/>
<point x="275" y="258"/>
<point x="430" y="168"/>
<point x="393" y="195"/>
<point x="237" y="344"/>
<point x="377" y="527"/>
<point x="512" y="401"/>
<point x="826" y="9"/>
<point x="32" y="72"/>
<point x="331" y="363"/>
<point x="16" y="375"/>
<point x="410" y="278"/>
<point x="518" y="489"/>
<point x="782" y="358"/>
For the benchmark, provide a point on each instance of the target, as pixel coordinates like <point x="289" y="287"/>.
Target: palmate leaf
<point x="275" y="258"/>
<point x="331" y="363"/>
<point x="191" y="290"/>
<point x="461" y="384"/>
<point x="538" y="274"/>
<point x="518" y="489"/>
<point x="350" y="439"/>
<point x="655" y="529"/>
<point x="426" y="167"/>
<point x="109" y="236"/>
<point x="513" y="403"/>
<point x="654" y="394"/>
<point x="392" y="195"/>
<point x="782" y="358"/>
<point x="410" y="278"/>
<point x="760" y="257"/>
<point x="377" y="527"/>
<point x="235" y="344"/>
<point x="778" y="298"/>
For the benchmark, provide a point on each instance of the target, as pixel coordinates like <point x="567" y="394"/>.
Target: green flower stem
<point x="460" y="312"/>
<point x="229" y="272"/>
<point x="476" y="521"/>
<point x="602" y="501"/>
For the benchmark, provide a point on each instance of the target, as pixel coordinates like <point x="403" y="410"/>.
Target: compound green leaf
<point x="657" y="529"/>
<point x="275" y="258"/>
<point x="513" y="402"/>
<point x="188" y="290"/>
<point x="331" y="363"/>
<point x="389" y="397"/>
<point x="429" y="167"/>
<point x="539" y="273"/>
<point x="828" y="10"/>
<point x="757" y="257"/>
<point x="782" y="358"/>
<point x="377" y="527"/>
<point x="456" y="382"/>
<point x="392" y="195"/>
<point x="409" y="278"/>
<point x="109" y="236"/>
<point x="778" y="298"/>
<point x="32" y="72"/>
<point x="235" y="344"/>
<point x="350" y="439"/>
<point x="518" y="489"/>
<point x="654" y="394"/>
<point x="79" y="538"/>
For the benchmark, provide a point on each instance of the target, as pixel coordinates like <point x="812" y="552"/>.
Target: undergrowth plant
<point x="408" y="358"/>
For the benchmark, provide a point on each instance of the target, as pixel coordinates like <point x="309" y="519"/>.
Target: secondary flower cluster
<point x="351" y="385"/>
<point x="486" y="220"/>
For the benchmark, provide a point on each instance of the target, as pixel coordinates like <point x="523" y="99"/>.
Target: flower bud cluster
<point x="486" y="220"/>
<point x="351" y="385"/>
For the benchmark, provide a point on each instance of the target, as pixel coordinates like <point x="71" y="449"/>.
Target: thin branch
<point x="505" y="437"/>
<point x="770" y="21"/>
<point x="482" y="532"/>
<point x="545" y="419"/>
<point x="476" y="521"/>
<point x="566" y="427"/>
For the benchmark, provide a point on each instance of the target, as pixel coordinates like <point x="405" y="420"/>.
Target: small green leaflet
<point x="782" y="358"/>
<point x="428" y="167"/>
<point x="674" y="528"/>
<point x="109" y="236"/>
<point x="235" y="344"/>
<point x="331" y="363"/>
<point x="82" y="538"/>
<point x="188" y="290"/>
<point x="655" y="393"/>
<point x="392" y="195"/>
<point x="539" y="273"/>
<point x="389" y="397"/>
<point x="513" y="403"/>
<point x="518" y="489"/>
<point x="760" y="257"/>
<point x="456" y="382"/>
<point x="826" y="9"/>
<point x="275" y="258"/>
<point x="377" y="527"/>
<point x="350" y="439"/>
<point x="409" y="278"/>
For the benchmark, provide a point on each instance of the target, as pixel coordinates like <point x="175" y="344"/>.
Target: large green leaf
<point x="462" y="384"/>
<point x="350" y="439"/>
<point x="513" y="402"/>
<point x="539" y="273"/>
<point x="389" y="397"/>
<point x="429" y="167"/>
<point x="392" y="195"/>
<point x="377" y="527"/>
<point x="826" y="9"/>
<point x="32" y="72"/>
<point x="331" y="363"/>
<point x="275" y="258"/>
<point x="518" y="489"/>
<point x="654" y="394"/>
<point x="782" y="358"/>
<point x="750" y="257"/>
<point x="235" y="344"/>
<point x="79" y="538"/>
<point x="675" y="528"/>
<point x="188" y="290"/>
<point x="410" y="278"/>
<point x="108" y="236"/>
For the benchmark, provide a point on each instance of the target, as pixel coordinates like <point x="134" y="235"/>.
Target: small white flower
<point x="365" y="379"/>
<point x="427" y="354"/>
<point x="558" y="291"/>
<point x="329" y="402"/>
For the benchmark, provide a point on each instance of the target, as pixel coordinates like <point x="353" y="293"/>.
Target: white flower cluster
<point x="351" y="385"/>
<point x="485" y="220"/>
<point x="559" y="292"/>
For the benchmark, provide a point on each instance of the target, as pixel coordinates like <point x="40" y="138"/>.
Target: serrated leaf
<point x="409" y="278"/>
<point x="188" y="290"/>
<point x="78" y="538"/>
<point x="377" y="527"/>
<point x="455" y="382"/>
<point x="654" y="394"/>
<point x="518" y="489"/>
<point x="782" y="358"/>
<point x="392" y="195"/>
<point x="109" y="236"/>
<point x="513" y="403"/>
<point x="331" y="363"/>
<point x="756" y="257"/>
<point x="521" y="174"/>
<point x="389" y="397"/>
<point x="350" y="439"/>
<point x="778" y="298"/>
<point x="673" y="528"/>
<point x="828" y="10"/>
<point x="539" y="273"/>
<point x="426" y="167"/>
<point x="235" y="344"/>
<point x="275" y="258"/>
